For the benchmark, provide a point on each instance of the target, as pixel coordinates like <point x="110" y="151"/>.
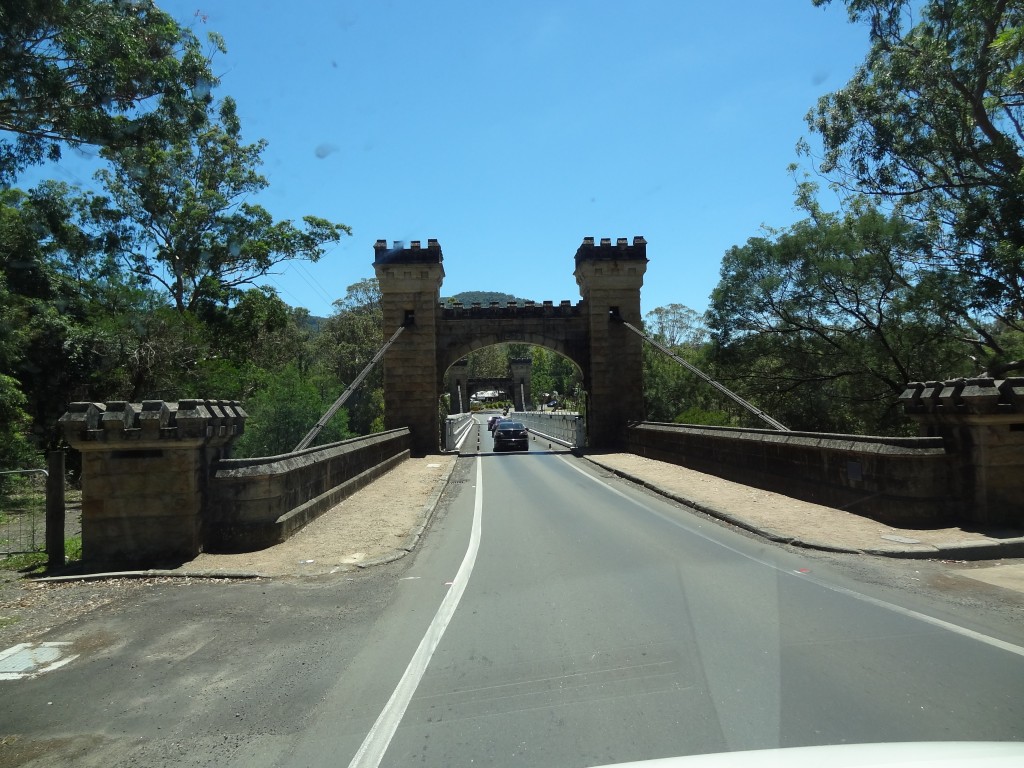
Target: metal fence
<point x="23" y="511"/>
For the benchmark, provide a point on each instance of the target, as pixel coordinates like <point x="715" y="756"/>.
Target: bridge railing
<point x="455" y="428"/>
<point x="565" y="428"/>
<point x="899" y="480"/>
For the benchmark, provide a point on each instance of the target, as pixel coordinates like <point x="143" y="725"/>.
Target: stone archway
<point x="609" y="276"/>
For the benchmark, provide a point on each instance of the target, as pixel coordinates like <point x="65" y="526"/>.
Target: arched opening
<point x="518" y="375"/>
<point x="589" y="333"/>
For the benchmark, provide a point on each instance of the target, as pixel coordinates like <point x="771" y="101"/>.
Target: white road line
<point x="372" y="750"/>
<point x="476" y="425"/>
<point x="955" y="628"/>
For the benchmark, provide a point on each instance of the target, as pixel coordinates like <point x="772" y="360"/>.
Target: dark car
<point x="511" y="435"/>
<point x="492" y="422"/>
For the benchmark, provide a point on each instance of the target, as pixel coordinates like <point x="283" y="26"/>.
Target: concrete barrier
<point x="455" y="428"/>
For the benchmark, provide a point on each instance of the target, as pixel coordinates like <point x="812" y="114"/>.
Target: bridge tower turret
<point x="410" y="285"/>
<point x="610" y="276"/>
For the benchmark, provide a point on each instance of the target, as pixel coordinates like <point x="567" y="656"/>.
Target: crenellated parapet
<point x="961" y="397"/>
<point x="120" y="423"/>
<point x="511" y="311"/>
<point x="413" y="253"/>
<point x="606" y="250"/>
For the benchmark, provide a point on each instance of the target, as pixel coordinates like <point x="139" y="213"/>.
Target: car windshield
<point x="391" y="383"/>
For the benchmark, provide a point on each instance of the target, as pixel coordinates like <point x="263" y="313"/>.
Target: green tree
<point x="676" y="326"/>
<point x="823" y="323"/>
<point x="488" y="362"/>
<point x="15" y="449"/>
<point x="50" y="340"/>
<point x="671" y="392"/>
<point x="347" y="342"/>
<point x="282" y="411"/>
<point x="91" y="72"/>
<point x="933" y="123"/>
<point x="178" y="214"/>
<point x="550" y="372"/>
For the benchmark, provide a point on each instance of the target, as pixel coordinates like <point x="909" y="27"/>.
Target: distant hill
<point x="483" y="297"/>
<point x="314" y="323"/>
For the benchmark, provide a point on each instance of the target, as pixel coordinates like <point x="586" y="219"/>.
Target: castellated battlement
<point x="621" y="250"/>
<point x="964" y="397"/>
<point x="214" y="421"/>
<point x="512" y="310"/>
<point x="413" y="253"/>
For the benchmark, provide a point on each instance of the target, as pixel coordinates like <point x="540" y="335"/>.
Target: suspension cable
<point x="329" y="414"/>
<point x="698" y="372"/>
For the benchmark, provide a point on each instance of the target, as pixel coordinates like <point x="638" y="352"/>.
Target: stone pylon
<point x="410" y="286"/>
<point x="610" y="276"/>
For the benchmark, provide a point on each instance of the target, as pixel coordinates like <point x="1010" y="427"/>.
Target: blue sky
<point x="509" y="132"/>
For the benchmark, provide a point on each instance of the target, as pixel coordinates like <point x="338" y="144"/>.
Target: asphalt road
<point x="551" y="617"/>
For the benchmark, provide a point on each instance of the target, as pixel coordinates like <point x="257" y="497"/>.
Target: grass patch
<point x="73" y="549"/>
<point x="28" y="562"/>
<point x="34" y="563"/>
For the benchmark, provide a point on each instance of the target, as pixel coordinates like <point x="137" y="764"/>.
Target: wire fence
<point x="23" y="512"/>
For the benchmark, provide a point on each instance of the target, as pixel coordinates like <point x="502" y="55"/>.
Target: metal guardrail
<point x="568" y="429"/>
<point x="455" y="428"/>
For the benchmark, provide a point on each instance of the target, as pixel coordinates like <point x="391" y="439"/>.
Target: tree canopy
<point x="78" y="72"/>
<point x="178" y="213"/>
<point x="824" y="322"/>
<point x="932" y="122"/>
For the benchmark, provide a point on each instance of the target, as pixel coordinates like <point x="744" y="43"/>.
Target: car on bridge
<point x="511" y="434"/>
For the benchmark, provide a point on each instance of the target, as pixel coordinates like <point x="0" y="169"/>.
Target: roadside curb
<point x="982" y="550"/>
<point x="152" y="573"/>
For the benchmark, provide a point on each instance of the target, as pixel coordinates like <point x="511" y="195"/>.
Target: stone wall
<point x="911" y="480"/>
<point x="255" y="503"/>
<point x="559" y="327"/>
<point x="158" y="486"/>
<point x="609" y="275"/>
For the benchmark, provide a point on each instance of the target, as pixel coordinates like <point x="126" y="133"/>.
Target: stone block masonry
<point x="145" y="473"/>
<point x="981" y="423"/>
<point x="159" y="487"/>
<point x="609" y="275"/>
<point x="897" y="480"/>
<point x="967" y="465"/>
<point x="256" y="503"/>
